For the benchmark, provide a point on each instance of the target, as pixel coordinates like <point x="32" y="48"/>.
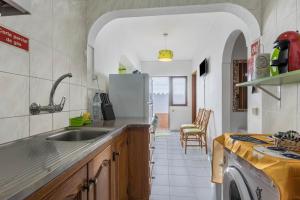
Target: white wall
<point x="178" y="114"/>
<point x="213" y="86"/>
<point x="279" y="16"/>
<point x="56" y="29"/>
<point x="111" y="49"/>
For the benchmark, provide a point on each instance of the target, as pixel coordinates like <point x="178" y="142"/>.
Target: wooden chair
<point x="193" y="125"/>
<point x="197" y="134"/>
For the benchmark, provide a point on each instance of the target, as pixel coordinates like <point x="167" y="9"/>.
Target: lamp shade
<point x="165" y="55"/>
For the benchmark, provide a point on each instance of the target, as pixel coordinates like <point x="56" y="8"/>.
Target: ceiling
<point x="143" y="35"/>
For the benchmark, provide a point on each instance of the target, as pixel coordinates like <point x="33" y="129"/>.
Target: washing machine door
<point x="234" y="186"/>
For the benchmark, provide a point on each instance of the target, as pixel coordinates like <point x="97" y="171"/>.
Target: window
<point x="178" y="91"/>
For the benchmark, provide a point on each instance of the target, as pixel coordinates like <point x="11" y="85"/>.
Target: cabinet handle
<point x="94" y="181"/>
<point x="153" y="147"/>
<point x="115" y="154"/>
<point x="153" y="162"/>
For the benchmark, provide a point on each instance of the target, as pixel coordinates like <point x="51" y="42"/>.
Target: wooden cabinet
<point x="118" y="170"/>
<point x="138" y="163"/>
<point x="120" y="157"/>
<point x="73" y="188"/>
<point x="100" y="176"/>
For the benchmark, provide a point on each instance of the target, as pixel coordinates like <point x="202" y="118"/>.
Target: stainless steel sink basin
<point x="79" y="135"/>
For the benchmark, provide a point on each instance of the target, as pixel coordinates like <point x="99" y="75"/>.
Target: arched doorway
<point x="234" y="69"/>
<point x="252" y="30"/>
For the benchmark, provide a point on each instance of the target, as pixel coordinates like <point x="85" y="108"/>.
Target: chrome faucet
<point x="35" y="108"/>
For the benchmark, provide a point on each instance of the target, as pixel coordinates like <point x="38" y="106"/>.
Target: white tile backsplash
<point x="40" y="91"/>
<point x="60" y="120"/>
<point x="40" y="123"/>
<point x="40" y="60"/>
<point x="63" y="90"/>
<point x="75" y="97"/>
<point x="14" y="128"/>
<point x="280" y="16"/>
<point x="14" y="95"/>
<point x="14" y="60"/>
<point x="57" y="37"/>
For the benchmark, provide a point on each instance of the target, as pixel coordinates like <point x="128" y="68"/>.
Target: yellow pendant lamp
<point x="165" y="55"/>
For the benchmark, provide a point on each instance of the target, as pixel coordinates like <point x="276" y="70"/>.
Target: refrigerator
<point x="131" y="95"/>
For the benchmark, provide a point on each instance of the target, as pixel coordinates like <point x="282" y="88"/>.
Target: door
<point x="120" y="158"/>
<point x="100" y="176"/>
<point x="160" y="95"/>
<point x="180" y="112"/>
<point x="73" y="188"/>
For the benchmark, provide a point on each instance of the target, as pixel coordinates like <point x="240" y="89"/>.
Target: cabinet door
<point x="120" y="156"/>
<point x="100" y="180"/>
<point x="73" y="188"/>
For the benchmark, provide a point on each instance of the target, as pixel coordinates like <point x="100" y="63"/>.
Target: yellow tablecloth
<point x="285" y="173"/>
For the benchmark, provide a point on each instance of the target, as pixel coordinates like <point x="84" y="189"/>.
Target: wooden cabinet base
<point x="118" y="170"/>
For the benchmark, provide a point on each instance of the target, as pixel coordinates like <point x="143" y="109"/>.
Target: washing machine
<point x="244" y="182"/>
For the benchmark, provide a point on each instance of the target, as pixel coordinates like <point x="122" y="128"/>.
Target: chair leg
<point x="181" y="137"/>
<point x="205" y="144"/>
<point x="201" y="143"/>
<point x="185" y="146"/>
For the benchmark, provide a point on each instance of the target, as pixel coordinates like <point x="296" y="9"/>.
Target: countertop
<point x="28" y="164"/>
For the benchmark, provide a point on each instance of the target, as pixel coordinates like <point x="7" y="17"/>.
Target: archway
<point x="251" y="32"/>
<point x="232" y="119"/>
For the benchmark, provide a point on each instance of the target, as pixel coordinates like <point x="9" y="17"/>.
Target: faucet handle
<point x="62" y="103"/>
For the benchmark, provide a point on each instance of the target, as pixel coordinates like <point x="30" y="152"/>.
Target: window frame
<point x="171" y="90"/>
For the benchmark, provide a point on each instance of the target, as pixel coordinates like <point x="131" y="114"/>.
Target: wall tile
<point x="14" y="95"/>
<point x="40" y="60"/>
<point x="14" y="60"/>
<point x="84" y="98"/>
<point x="40" y="123"/>
<point x="274" y="121"/>
<point x="60" y="65"/>
<point x="75" y="97"/>
<point x="60" y="120"/>
<point x="63" y="90"/>
<point x="40" y="91"/>
<point x="284" y="26"/>
<point x="76" y="70"/>
<point x="285" y="8"/>
<point x="39" y="24"/>
<point x="76" y="113"/>
<point x="13" y="128"/>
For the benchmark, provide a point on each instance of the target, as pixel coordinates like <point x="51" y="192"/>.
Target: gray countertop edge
<point x="72" y="159"/>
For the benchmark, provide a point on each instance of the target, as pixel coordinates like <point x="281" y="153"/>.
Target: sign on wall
<point x="12" y="38"/>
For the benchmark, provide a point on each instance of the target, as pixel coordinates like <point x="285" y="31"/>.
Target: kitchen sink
<point x="79" y="135"/>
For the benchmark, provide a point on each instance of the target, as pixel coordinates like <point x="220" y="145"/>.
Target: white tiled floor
<point x="179" y="176"/>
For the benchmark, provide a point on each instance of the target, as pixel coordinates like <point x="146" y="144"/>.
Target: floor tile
<point x="159" y="197"/>
<point x="160" y="169"/>
<point x="161" y="179"/>
<point x="160" y="190"/>
<point x="180" y="176"/>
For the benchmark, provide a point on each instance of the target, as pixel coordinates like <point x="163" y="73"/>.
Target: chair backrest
<point x="204" y="121"/>
<point x="199" y="116"/>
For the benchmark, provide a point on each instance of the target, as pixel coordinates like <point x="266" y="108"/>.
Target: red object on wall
<point x="289" y="41"/>
<point x="9" y="37"/>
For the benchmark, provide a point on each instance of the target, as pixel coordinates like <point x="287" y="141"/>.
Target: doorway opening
<point x="161" y="98"/>
<point x="235" y="71"/>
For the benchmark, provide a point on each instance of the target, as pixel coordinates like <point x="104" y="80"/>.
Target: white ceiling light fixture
<point x="165" y="55"/>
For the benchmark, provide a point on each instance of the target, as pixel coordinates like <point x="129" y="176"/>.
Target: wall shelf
<point x="286" y="78"/>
